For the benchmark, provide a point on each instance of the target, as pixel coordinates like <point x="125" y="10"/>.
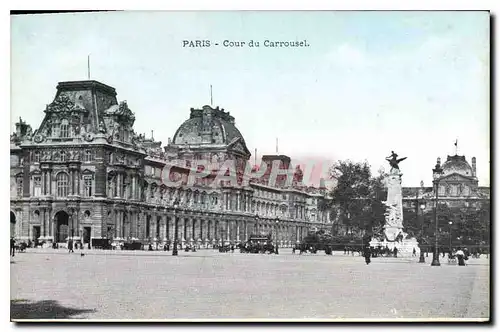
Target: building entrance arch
<point x="61" y="221"/>
<point x="12" y="224"/>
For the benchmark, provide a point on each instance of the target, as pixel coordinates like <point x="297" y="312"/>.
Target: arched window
<point x="62" y="184"/>
<point x="64" y="129"/>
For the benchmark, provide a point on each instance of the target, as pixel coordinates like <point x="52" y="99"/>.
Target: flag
<point x="456" y="142"/>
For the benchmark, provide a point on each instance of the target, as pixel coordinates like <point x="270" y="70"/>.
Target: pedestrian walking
<point x="461" y="257"/>
<point x="12" y="246"/>
<point x="367" y="253"/>
<point x="395" y="252"/>
<point x="70" y="246"/>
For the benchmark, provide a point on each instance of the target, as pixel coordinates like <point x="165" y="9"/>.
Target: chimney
<point x="473" y="166"/>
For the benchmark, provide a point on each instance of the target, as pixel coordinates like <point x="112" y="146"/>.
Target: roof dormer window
<point x="64" y="129"/>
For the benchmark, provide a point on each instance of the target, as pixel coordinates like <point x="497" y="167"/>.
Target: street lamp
<point x="277" y="236"/>
<point x="435" y="258"/>
<point x="450" y="223"/>
<point x="422" y="258"/>
<point x="176" y="231"/>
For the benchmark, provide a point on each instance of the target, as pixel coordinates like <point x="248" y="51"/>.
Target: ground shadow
<point x="47" y="309"/>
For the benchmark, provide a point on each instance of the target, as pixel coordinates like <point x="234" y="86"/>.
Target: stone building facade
<point x="84" y="173"/>
<point x="457" y="189"/>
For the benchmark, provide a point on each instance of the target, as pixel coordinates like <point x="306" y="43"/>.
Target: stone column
<point x="117" y="223"/>
<point x="119" y="185"/>
<point x="209" y="232"/>
<point x="182" y="230"/>
<point x="132" y="186"/>
<point x="193" y="229"/>
<point x="154" y="223"/>
<point x="167" y="227"/>
<point x="188" y="229"/>
<point x="215" y="230"/>
<point x="44" y="216"/>
<point x="201" y="233"/>
<point x="238" y="231"/>
<point x="124" y="222"/>
<point x="137" y="226"/>
<point x="246" y="230"/>
<point x="50" y="182"/>
<point x="171" y="225"/>
<point x="77" y="223"/>
<point x="47" y="183"/>
<point x="75" y="182"/>
<point x="122" y="225"/>
<point x="122" y="192"/>
<point x="51" y="224"/>
<point x="78" y="176"/>
<point x="131" y="222"/>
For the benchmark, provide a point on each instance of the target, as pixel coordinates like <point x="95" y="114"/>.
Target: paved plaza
<point x="52" y="284"/>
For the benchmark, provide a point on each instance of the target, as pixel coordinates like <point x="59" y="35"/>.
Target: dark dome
<point x="222" y="129"/>
<point x="457" y="164"/>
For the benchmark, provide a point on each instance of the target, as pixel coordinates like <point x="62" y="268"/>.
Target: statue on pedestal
<point x="394" y="236"/>
<point x="394" y="161"/>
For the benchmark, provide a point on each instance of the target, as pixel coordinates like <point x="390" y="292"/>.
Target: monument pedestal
<point x="405" y="247"/>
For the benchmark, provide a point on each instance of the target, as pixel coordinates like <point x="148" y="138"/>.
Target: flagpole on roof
<point x="88" y="66"/>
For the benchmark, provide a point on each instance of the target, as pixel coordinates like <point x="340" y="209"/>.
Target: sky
<point x="368" y="83"/>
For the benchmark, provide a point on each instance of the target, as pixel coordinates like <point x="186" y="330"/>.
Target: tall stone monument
<point x="394" y="214"/>
<point x="394" y="237"/>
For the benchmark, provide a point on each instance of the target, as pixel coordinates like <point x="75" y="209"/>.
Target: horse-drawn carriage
<point x="257" y="244"/>
<point x="303" y="248"/>
<point x="132" y="245"/>
<point x="21" y="247"/>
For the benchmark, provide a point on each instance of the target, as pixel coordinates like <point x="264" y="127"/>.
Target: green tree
<point x="357" y="195"/>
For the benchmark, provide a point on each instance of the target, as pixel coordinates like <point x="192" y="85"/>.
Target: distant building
<point x="464" y="206"/>
<point x="85" y="173"/>
<point x="457" y="185"/>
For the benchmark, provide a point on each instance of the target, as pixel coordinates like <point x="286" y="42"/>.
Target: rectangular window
<point x="87" y="183"/>
<point x="37" y="185"/>
<point x="36" y="157"/>
<point x="88" y="156"/>
<point x="19" y="187"/>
